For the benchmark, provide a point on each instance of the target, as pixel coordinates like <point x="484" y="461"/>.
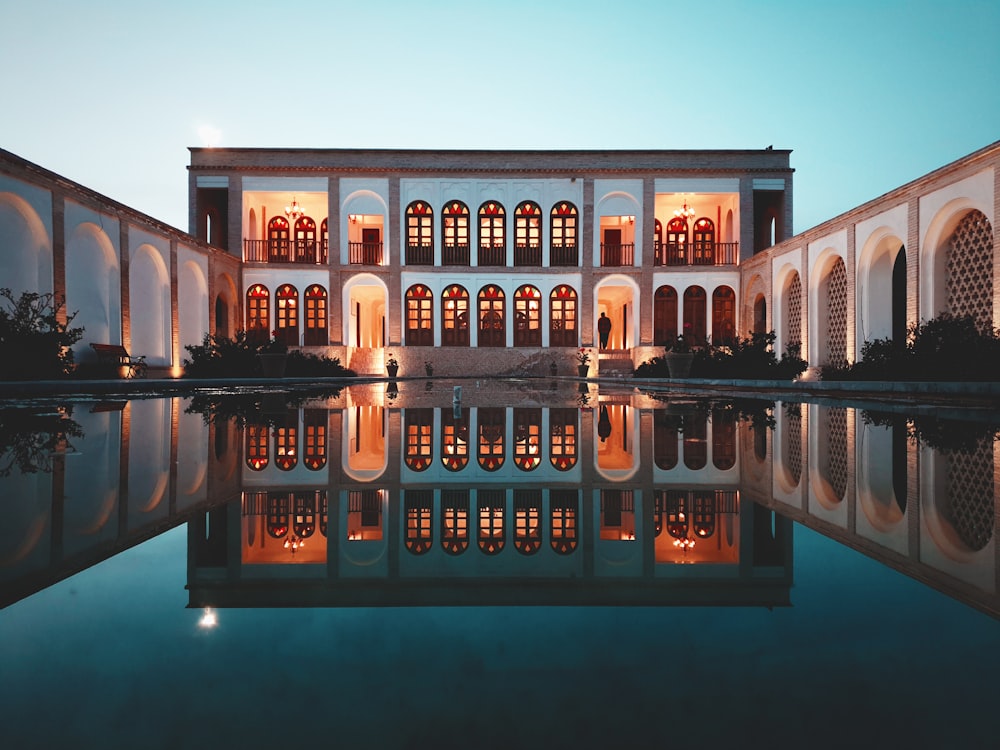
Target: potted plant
<point x="679" y="358"/>
<point x="428" y="368"/>
<point x="392" y="366"/>
<point x="273" y="357"/>
<point x="583" y="362"/>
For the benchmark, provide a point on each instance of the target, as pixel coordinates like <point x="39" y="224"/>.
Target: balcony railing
<point x="563" y="255"/>
<point x="696" y="254"/>
<point x="492" y="255"/>
<point x="527" y="255"/>
<point x="420" y="255"/>
<point x="617" y="254"/>
<point x="455" y="255"/>
<point x="364" y="253"/>
<point x="285" y="251"/>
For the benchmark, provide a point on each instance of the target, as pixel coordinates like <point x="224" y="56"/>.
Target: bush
<point x="236" y="357"/>
<point x="752" y="358"/>
<point x="34" y="344"/>
<point x="303" y="365"/>
<point x="946" y="348"/>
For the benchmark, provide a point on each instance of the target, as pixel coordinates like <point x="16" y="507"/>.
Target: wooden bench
<point x="118" y="356"/>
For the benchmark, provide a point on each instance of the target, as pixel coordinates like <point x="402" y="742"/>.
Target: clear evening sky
<point x="868" y="94"/>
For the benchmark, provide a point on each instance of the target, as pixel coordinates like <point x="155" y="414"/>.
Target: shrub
<point x="34" y="344"/>
<point x="236" y="357"/>
<point x="304" y="365"/>
<point x="752" y="358"/>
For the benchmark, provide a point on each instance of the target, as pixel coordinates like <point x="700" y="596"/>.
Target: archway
<point x="616" y="301"/>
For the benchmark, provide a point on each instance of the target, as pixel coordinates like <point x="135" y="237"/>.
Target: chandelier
<point x="294" y="211"/>
<point x="685" y="213"/>
<point x="293" y="543"/>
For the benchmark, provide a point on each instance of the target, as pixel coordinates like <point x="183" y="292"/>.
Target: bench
<point x="116" y="355"/>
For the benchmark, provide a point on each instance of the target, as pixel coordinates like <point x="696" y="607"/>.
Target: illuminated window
<point x="286" y="442"/>
<point x="528" y="234"/>
<point x="491" y="437"/>
<point x="492" y="329"/>
<point x="314" y="426"/>
<point x="316" y="316"/>
<point x="419" y="427"/>
<point x="278" y="513"/>
<point x="454" y="439"/>
<point x="703" y="513"/>
<point x="677" y="516"/>
<point x="659" y="251"/>
<point x="305" y="241"/>
<point x="723" y="316"/>
<point x="304" y="519"/>
<point x="665" y="434"/>
<point x="677" y="242"/>
<point x="492" y="238"/>
<point x="324" y="239"/>
<point x="286" y="314"/>
<point x="563" y="230"/>
<point x="527" y="316"/>
<point x="454" y="521"/>
<point x="492" y="509"/>
<point x="527" y="521"/>
<point x="364" y="515"/>
<point x="562" y="438"/>
<point x="665" y="316"/>
<point x="455" y="316"/>
<point x="617" y="515"/>
<point x="703" y="245"/>
<point x="419" y="234"/>
<point x="258" y="314"/>
<point x="562" y="317"/>
<point x="418" y="508"/>
<point x="278" y="240"/>
<point x="455" y="234"/>
<point x="257" y="446"/>
<point x="563" y="515"/>
<point x="723" y="438"/>
<point x="695" y="441"/>
<point x="324" y="511"/>
<point x="419" y="316"/>
<point x="527" y="438"/>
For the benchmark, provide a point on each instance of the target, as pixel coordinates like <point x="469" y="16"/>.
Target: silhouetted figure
<point x="604" y="424"/>
<point x="604" y="329"/>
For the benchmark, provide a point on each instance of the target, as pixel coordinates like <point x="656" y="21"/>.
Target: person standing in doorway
<point x="604" y="329"/>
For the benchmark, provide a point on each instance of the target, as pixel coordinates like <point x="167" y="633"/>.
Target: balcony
<point x="492" y="255"/>
<point x="455" y="255"/>
<point x="420" y="255"/>
<point x="696" y="254"/>
<point x="563" y="255"/>
<point x="617" y="254"/>
<point x="527" y="255"/>
<point x="364" y="253"/>
<point x="285" y="251"/>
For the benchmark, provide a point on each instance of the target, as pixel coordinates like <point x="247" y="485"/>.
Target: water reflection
<point x="385" y="496"/>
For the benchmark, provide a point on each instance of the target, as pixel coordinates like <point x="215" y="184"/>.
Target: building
<point x="486" y="261"/>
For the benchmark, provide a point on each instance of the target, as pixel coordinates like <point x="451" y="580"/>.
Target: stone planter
<point x="392" y="370"/>
<point x="582" y="370"/>
<point x="273" y="365"/>
<point x="679" y="364"/>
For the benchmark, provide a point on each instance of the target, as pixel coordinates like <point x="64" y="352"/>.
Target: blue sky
<point x="868" y="95"/>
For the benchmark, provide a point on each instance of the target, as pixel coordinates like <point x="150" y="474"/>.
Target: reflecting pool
<point x="518" y="562"/>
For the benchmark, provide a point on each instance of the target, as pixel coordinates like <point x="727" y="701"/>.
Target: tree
<point x="34" y="342"/>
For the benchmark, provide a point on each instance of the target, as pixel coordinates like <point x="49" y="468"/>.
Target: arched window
<point x="527" y="316"/>
<point x="286" y="438"/>
<point x="304" y="518"/>
<point x="278" y="240"/>
<point x="305" y="241"/>
<point x="258" y="314"/>
<point x="454" y="439"/>
<point x="491" y="429"/>
<point x="455" y="234"/>
<point x="723" y="438"/>
<point x="492" y="328"/>
<point x="419" y="234"/>
<point x="492" y="237"/>
<point x="314" y="439"/>
<point x="257" y="446"/>
<point x="286" y="315"/>
<point x="760" y="314"/>
<point x="703" y="513"/>
<point x="455" y="316"/>
<point x="528" y="234"/>
<point x="703" y="247"/>
<point x="695" y="315"/>
<point x="562" y="316"/>
<point x="419" y="428"/>
<point x="418" y="509"/>
<point x="677" y="239"/>
<point x="527" y="439"/>
<point x="454" y="521"/>
<point x="527" y="521"/>
<point x="316" y="316"/>
<point x="695" y="441"/>
<point x="419" y="316"/>
<point x="723" y="316"/>
<point x="563" y="515"/>
<point x="563" y="235"/>
<point x="659" y="251"/>
<point x="278" y="511"/>
<point x="324" y="241"/>
<point x="665" y="434"/>
<point x="562" y="438"/>
<point x="492" y="509"/>
<point x="665" y="316"/>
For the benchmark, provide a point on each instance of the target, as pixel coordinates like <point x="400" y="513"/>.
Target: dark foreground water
<point x="863" y="652"/>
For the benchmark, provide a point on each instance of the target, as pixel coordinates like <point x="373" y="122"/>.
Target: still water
<point x="530" y="564"/>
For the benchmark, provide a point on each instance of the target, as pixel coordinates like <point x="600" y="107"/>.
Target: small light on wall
<point x="629" y="219"/>
<point x="353" y="218"/>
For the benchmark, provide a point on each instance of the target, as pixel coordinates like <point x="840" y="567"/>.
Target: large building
<point x="489" y="261"/>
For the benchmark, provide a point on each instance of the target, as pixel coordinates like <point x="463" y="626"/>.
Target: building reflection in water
<point x="616" y="498"/>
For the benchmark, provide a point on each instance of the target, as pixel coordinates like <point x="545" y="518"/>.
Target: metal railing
<point x="527" y="255"/>
<point x="364" y="253"/>
<point x="420" y="255"/>
<point x="617" y="254"/>
<point x="492" y="255"/>
<point x="563" y="255"/>
<point x="696" y="254"/>
<point x="455" y="255"/>
<point x="285" y="251"/>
